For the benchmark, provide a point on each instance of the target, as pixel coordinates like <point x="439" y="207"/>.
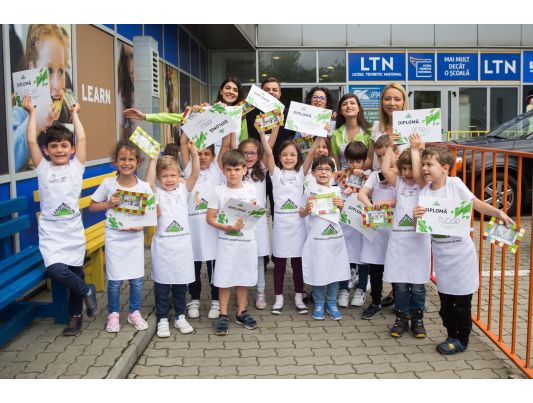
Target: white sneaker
<point x="193" y="309"/>
<point x="214" y="311"/>
<point x="359" y="297"/>
<point x="183" y="326"/>
<point x="343" y="299"/>
<point x="163" y="330"/>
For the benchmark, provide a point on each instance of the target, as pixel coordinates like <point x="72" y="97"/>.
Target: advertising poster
<point x="126" y="95"/>
<point x="171" y="93"/>
<point x="96" y="89"/>
<point x="369" y="96"/>
<point x="34" y="46"/>
<point x="3" y="129"/>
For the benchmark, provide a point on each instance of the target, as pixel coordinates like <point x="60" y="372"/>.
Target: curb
<point x="131" y="354"/>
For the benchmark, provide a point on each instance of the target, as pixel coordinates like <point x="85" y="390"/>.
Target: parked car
<point x="516" y="135"/>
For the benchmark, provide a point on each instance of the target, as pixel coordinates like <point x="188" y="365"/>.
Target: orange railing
<point x="504" y="306"/>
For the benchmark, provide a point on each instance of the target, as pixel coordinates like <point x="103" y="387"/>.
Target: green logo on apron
<point x="174" y="226"/>
<point x="288" y="205"/>
<point x="201" y="205"/>
<point x="406" y="221"/>
<point x="329" y="231"/>
<point x="234" y="233"/>
<point x="63" y="210"/>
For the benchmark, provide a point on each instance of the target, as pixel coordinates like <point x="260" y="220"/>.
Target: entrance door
<point x="436" y="97"/>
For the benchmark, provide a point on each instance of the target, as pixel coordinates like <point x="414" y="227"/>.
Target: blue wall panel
<point x="184" y="50"/>
<point x="4" y="191"/>
<point x="171" y="43"/>
<point x="129" y="30"/>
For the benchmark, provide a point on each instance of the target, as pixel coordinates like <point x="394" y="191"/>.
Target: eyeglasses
<point x="320" y="169"/>
<point x="249" y="153"/>
<point x="318" y="98"/>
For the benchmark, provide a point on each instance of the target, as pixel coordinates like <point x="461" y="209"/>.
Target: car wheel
<point x="497" y="192"/>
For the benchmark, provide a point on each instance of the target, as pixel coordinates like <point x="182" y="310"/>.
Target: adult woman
<point x="351" y="126"/>
<point x="393" y="98"/>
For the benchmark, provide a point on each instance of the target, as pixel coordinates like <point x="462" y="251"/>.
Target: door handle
<point x="409" y="94"/>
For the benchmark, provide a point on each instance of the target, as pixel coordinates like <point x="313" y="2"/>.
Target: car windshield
<point x="520" y="127"/>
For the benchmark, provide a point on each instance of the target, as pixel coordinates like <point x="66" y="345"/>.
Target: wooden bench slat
<point x="8" y="207"/>
<point x="13" y="226"/>
<point x="13" y="260"/>
<point x="20" y="287"/>
<point x="15" y="272"/>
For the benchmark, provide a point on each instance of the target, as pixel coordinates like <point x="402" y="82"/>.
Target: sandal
<point x="222" y="326"/>
<point x="246" y="320"/>
<point x="451" y="346"/>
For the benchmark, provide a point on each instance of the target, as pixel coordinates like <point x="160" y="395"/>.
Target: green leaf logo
<point x="432" y="118"/>
<point x="258" y="213"/>
<point x="174" y="226"/>
<point x="290" y="124"/>
<point x="344" y="218"/>
<point x="221" y="219"/>
<point x="329" y="231"/>
<point x="63" y="210"/>
<point x="200" y="141"/>
<point x="201" y="205"/>
<point x="464" y="210"/>
<point x="422" y="226"/>
<point x="288" y="205"/>
<point x="234" y="233"/>
<point x="406" y="221"/>
<point x="42" y="77"/>
<point x="113" y="222"/>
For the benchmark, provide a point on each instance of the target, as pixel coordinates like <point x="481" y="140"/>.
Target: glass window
<point x="203" y="65"/>
<point x="156" y="32"/>
<point x="203" y="93"/>
<point x="184" y="50"/>
<point x="185" y="91"/>
<point x="331" y="66"/>
<point x="503" y="105"/>
<point x="288" y="65"/>
<point x="171" y="43"/>
<point x="232" y="64"/>
<point x="472" y="109"/>
<point x="195" y="58"/>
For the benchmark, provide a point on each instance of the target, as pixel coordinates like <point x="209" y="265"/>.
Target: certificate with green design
<point x="209" y="127"/>
<point x="234" y="209"/>
<point x="262" y="100"/>
<point x="308" y="119"/>
<point x="444" y="216"/>
<point x="134" y="210"/>
<point x="145" y="142"/>
<point x="425" y="122"/>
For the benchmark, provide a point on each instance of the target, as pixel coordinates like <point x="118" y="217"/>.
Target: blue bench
<point x="21" y="273"/>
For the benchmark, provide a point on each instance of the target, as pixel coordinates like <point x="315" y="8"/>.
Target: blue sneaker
<point x="334" y="312"/>
<point x="318" y="312"/>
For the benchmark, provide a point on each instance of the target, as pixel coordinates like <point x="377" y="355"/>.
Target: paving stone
<point x="292" y="336"/>
<point x="96" y="373"/>
<point x="392" y="375"/>
<point x="219" y="371"/>
<point x="483" y="364"/>
<point x="402" y="367"/>
<point x="179" y="371"/>
<point x="257" y="370"/>
<point x="437" y="375"/>
<point x="351" y="359"/>
<point x="29" y="353"/>
<point x="41" y="362"/>
<point x="54" y="371"/>
<point x="200" y="362"/>
<point x="222" y="353"/>
<point x="295" y="369"/>
<point x="331" y="352"/>
<point x="335" y="369"/>
<point x="70" y="355"/>
<point x="277" y="360"/>
<point x="81" y="365"/>
<point x="16" y="368"/>
<point x="356" y="376"/>
<point x="163" y="361"/>
<point x="322" y="360"/>
<point x="206" y="345"/>
<point x="346" y="343"/>
<point x="270" y="352"/>
<point x="365" y="350"/>
<point x="197" y="352"/>
<point x="391" y="358"/>
<point x="97" y="347"/>
<point x="31" y="375"/>
<point x="292" y="352"/>
<point x="277" y="344"/>
<point x="109" y="357"/>
<point x="230" y="345"/>
<point x="374" y="368"/>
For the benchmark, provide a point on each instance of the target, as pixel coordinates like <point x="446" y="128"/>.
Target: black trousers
<point x="375" y="271"/>
<point x="72" y="278"/>
<point x="196" y="287"/>
<point x="161" y="292"/>
<point x="456" y="314"/>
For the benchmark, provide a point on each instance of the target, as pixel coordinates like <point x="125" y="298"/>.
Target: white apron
<point x="373" y="252"/>
<point x="324" y="255"/>
<point x="237" y="251"/>
<point x="204" y="237"/>
<point x="288" y="232"/>
<point x="261" y="227"/>
<point x="124" y="250"/>
<point x="61" y="233"/>
<point x="454" y="258"/>
<point x="172" y="256"/>
<point x="408" y="258"/>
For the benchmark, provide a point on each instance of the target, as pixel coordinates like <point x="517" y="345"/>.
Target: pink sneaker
<point x="113" y="323"/>
<point x="137" y="321"/>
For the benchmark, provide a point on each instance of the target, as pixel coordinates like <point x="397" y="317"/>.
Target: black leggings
<point x="196" y="287"/>
<point x="71" y="277"/>
<point x="375" y="271"/>
<point x="456" y="314"/>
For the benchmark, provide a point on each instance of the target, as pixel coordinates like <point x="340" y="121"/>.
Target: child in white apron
<point x="355" y="154"/>
<point x="289" y="228"/>
<point x="377" y="189"/>
<point x="256" y="176"/>
<point x="324" y="255"/>
<point x="172" y="253"/>
<point x="124" y="249"/>
<point x="454" y="258"/>
<point x="61" y="234"/>
<point x="408" y="258"/>
<point x="237" y="248"/>
<point x="204" y="236"/>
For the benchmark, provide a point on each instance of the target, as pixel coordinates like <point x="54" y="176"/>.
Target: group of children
<point x="324" y="252"/>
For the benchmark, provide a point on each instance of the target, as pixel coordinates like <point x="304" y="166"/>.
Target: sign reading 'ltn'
<point x="376" y="66"/>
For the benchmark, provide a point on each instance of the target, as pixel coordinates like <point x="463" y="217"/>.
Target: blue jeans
<point x="113" y="294"/>
<point x="332" y="292"/>
<point x="161" y="291"/>
<point x="409" y="298"/>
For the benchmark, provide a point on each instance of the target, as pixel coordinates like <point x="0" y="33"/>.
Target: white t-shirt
<point x="454" y="258"/>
